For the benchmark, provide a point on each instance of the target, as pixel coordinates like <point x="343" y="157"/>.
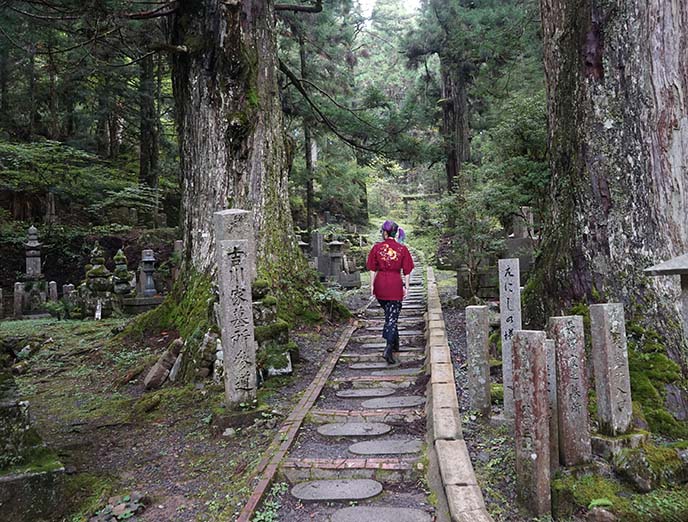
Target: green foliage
<point x="69" y="173"/>
<point x="269" y="511"/>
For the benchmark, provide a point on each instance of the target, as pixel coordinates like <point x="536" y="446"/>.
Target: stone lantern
<point x="33" y="254"/>
<point x="147" y="269"/>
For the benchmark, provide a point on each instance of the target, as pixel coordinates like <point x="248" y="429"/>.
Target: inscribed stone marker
<point x="18" y="300"/>
<point x="510" y="313"/>
<point x="237" y="224"/>
<point x="572" y="389"/>
<point x="52" y="291"/>
<point x="553" y="412"/>
<point x="236" y="321"/>
<point x="610" y="364"/>
<point x="531" y="421"/>
<point x="477" y="331"/>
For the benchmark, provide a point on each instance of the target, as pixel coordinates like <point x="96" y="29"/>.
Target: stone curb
<point x="458" y="482"/>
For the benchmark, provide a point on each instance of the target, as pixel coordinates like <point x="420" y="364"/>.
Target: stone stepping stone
<point x="354" y="429"/>
<point x="345" y="489"/>
<point x="381" y="346"/>
<point x="407" y="401"/>
<point x="397" y="371"/>
<point x="380" y="514"/>
<point x="386" y="447"/>
<point x="365" y="392"/>
<point x="371" y="366"/>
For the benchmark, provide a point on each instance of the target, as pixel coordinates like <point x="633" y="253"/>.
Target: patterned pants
<point x="391" y="329"/>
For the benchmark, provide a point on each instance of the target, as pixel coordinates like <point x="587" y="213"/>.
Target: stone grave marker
<point x="33" y="254"/>
<point x="572" y="389"/>
<point x="237" y="224"/>
<point x="531" y="421"/>
<point x="477" y="332"/>
<point x="553" y="413"/>
<point x="52" y="291"/>
<point x="510" y="314"/>
<point x="18" y="300"/>
<point x="236" y="321"/>
<point x="610" y="365"/>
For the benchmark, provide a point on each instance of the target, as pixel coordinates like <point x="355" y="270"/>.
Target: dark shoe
<point x="388" y="354"/>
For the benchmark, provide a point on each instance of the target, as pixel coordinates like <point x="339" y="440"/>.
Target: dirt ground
<point x="115" y="439"/>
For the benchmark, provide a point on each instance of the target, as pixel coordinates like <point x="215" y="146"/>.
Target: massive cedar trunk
<point x="617" y="83"/>
<point x="454" y="119"/>
<point x="231" y="138"/>
<point x="307" y="143"/>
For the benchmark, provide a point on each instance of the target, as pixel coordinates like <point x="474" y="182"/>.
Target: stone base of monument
<point x="28" y="496"/>
<point x="237" y="419"/>
<point x="606" y="447"/>
<point x="138" y="305"/>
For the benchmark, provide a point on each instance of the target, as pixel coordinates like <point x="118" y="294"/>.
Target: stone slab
<point x="478" y="358"/>
<point x="386" y="447"/>
<point x="380" y="514"/>
<point x="455" y="464"/>
<point x="371" y="366"/>
<point x="464" y="498"/>
<point x="382" y="346"/>
<point x="446" y="424"/>
<point x="400" y="371"/>
<point x="407" y="401"/>
<point x="675" y="266"/>
<point x="441" y="373"/>
<point x="354" y="429"/>
<point x="346" y="489"/>
<point x="365" y="392"/>
<point x="444" y="396"/>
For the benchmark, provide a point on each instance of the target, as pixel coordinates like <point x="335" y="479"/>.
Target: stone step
<point x="386" y="415"/>
<point x="403" y="332"/>
<point x="354" y="429"/>
<point x="365" y="393"/>
<point x="388" y="469"/>
<point x="376" y="381"/>
<point x="391" y="370"/>
<point x="405" y="355"/>
<point x="397" y="401"/>
<point x="342" y="489"/>
<point x="372" y="365"/>
<point x="380" y="514"/>
<point x="386" y="447"/>
<point x="382" y="346"/>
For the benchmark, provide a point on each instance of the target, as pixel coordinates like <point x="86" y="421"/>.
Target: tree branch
<point x="317" y="8"/>
<point x="330" y="125"/>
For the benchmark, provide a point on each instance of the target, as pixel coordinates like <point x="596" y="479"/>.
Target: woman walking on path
<point x="386" y="261"/>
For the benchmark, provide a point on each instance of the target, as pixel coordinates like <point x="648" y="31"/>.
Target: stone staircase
<point x="358" y="455"/>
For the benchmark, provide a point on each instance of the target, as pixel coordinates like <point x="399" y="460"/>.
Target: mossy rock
<point x="260" y="288"/>
<point x="650" y="467"/>
<point x="277" y="331"/>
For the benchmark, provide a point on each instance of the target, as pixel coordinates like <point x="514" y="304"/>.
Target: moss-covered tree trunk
<point x="617" y="84"/>
<point x="231" y="137"/>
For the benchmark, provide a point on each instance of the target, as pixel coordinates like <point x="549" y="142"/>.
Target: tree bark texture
<point x="617" y="85"/>
<point x="231" y="137"/>
<point x="307" y="142"/>
<point x="454" y="119"/>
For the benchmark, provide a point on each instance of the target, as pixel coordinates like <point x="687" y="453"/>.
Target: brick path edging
<point x="267" y="467"/>
<point x="460" y="487"/>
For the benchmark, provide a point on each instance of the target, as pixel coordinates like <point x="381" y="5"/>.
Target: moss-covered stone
<point x="497" y="393"/>
<point x="649" y="467"/>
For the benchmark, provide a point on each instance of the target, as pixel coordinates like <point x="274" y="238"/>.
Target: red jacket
<point x="388" y="258"/>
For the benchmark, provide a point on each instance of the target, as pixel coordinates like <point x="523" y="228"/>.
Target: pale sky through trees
<point x="367" y="6"/>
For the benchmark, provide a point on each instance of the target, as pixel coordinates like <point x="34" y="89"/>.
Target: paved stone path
<point x="363" y="439"/>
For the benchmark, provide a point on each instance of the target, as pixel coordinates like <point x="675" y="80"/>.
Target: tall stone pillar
<point x="33" y="254"/>
<point x="553" y="408"/>
<point x="52" y="291"/>
<point x="510" y="313"/>
<point x="237" y="224"/>
<point x="531" y="421"/>
<point x="236" y="321"/>
<point x="18" y="300"/>
<point x="610" y="364"/>
<point x="477" y="332"/>
<point x="572" y="389"/>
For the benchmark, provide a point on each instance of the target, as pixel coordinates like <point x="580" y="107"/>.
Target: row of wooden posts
<point x="546" y="384"/>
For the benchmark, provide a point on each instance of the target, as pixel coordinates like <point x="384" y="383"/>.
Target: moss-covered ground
<point x="85" y="388"/>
